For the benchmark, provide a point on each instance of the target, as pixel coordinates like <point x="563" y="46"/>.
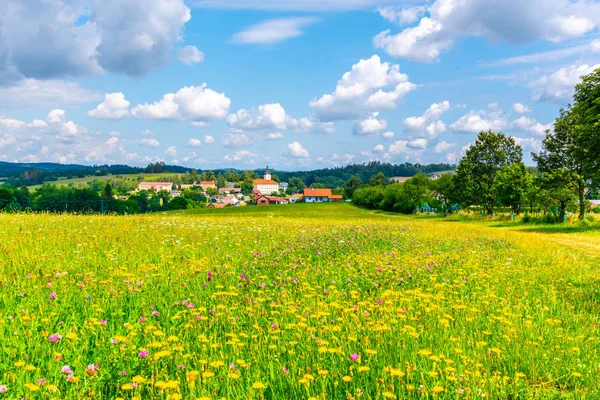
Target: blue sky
<point x="298" y="84"/>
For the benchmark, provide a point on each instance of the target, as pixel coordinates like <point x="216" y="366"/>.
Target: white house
<point x="266" y="186"/>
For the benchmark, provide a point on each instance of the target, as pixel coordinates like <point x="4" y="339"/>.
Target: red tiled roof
<point x="207" y="182"/>
<point x="310" y="192"/>
<point x="264" y="182"/>
<point x="336" y="196"/>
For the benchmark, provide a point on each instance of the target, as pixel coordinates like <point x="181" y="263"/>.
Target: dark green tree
<point x="477" y="171"/>
<point x="563" y="159"/>
<point x="378" y="180"/>
<point x="352" y="184"/>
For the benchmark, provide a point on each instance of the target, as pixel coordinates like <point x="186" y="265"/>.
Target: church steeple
<point x="268" y="173"/>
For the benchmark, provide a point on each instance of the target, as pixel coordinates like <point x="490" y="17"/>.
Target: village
<point x="265" y="191"/>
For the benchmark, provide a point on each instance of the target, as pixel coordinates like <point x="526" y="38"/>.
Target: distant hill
<point x="18" y="174"/>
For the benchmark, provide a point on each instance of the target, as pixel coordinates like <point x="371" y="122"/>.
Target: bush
<point x="527" y="219"/>
<point x="178" y="203"/>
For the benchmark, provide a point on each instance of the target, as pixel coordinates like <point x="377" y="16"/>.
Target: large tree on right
<point x="570" y="155"/>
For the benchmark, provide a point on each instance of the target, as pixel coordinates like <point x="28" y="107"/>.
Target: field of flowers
<point x="292" y="302"/>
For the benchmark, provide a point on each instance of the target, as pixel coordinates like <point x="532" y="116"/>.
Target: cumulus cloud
<point x="209" y="139"/>
<point x="296" y="150"/>
<point x="419" y="143"/>
<point x="521" y="109"/>
<point x="273" y="31"/>
<point x="114" y="106"/>
<point x="268" y="116"/>
<point x="275" y="136"/>
<point x="117" y="35"/>
<point x="288" y="5"/>
<point x="529" y="125"/>
<point x="193" y="142"/>
<point x="194" y="103"/>
<point x="190" y="55"/>
<point x="34" y="92"/>
<point x="388" y="135"/>
<point x="240" y="156"/>
<point x="339" y="160"/>
<point x="171" y="151"/>
<point x="513" y="21"/>
<point x="370" y="126"/>
<point x="370" y="86"/>
<point x="58" y="139"/>
<point x="150" y="142"/>
<point x="443" y="147"/>
<point x="481" y="120"/>
<point x="558" y="87"/>
<point x="428" y="125"/>
<point x="529" y="144"/>
<point x="237" y="138"/>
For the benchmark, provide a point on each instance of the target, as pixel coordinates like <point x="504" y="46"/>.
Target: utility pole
<point x="101" y="206"/>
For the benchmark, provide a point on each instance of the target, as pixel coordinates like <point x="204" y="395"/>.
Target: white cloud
<point x="59" y="139"/>
<point x="273" y="31"/>
<point x="401" y="16"/>
<point x="300" y="125"/>
<point x="558" y="87"/>
<point x="171" y="151"/>
<point x="190" y="55"/>
<point x="150" y="142"/>
<point x="297" y="151"/>
<point x="237" y="139"/>
<point x="275" y="136"/>
<point x="379" y="148"/>
<point x="114" y="106"/>
<point x="54" y="44"/>
<point x="529" y="144"/>
<point x="529" y="125"/>
<point x="443" y="147"/>
<point x="209" y="139"/>
<point x="482" y="120"/>
<point x="428" y="125"/>
<point x="194" y="103"/>
<point x="512" y="21"/>
<point x="33" y="92"/>
<point x="56" y="116"/>
<point x="370" y="86"/>
<point x="288" y="5"/>
<point x="145" y="40"/>
<point x="193" y="142"/>
<point x="339" y="160"/>
<point x="419" y="143"/>
<point x="388" y="135"/>
<point x="240" y="156"/>
<point x="398" y="147"/>
<point x="521" y="109"/>
<point x="370" y="126"/>
<point x="268" y="116"/>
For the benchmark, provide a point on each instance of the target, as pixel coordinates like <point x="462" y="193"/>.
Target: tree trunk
<point x="581" y="192"/>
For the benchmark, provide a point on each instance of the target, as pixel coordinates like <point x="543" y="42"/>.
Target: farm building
<point x="262" y="200"/>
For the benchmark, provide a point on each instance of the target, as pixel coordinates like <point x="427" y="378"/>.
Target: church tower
<point x="267" y="174"/>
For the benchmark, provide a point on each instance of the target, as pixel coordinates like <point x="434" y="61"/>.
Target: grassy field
<point x="295" y="302"/>
<point x="79" y="181"/>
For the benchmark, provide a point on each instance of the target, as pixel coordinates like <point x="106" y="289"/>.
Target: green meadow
<point x="307" y="301"/>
